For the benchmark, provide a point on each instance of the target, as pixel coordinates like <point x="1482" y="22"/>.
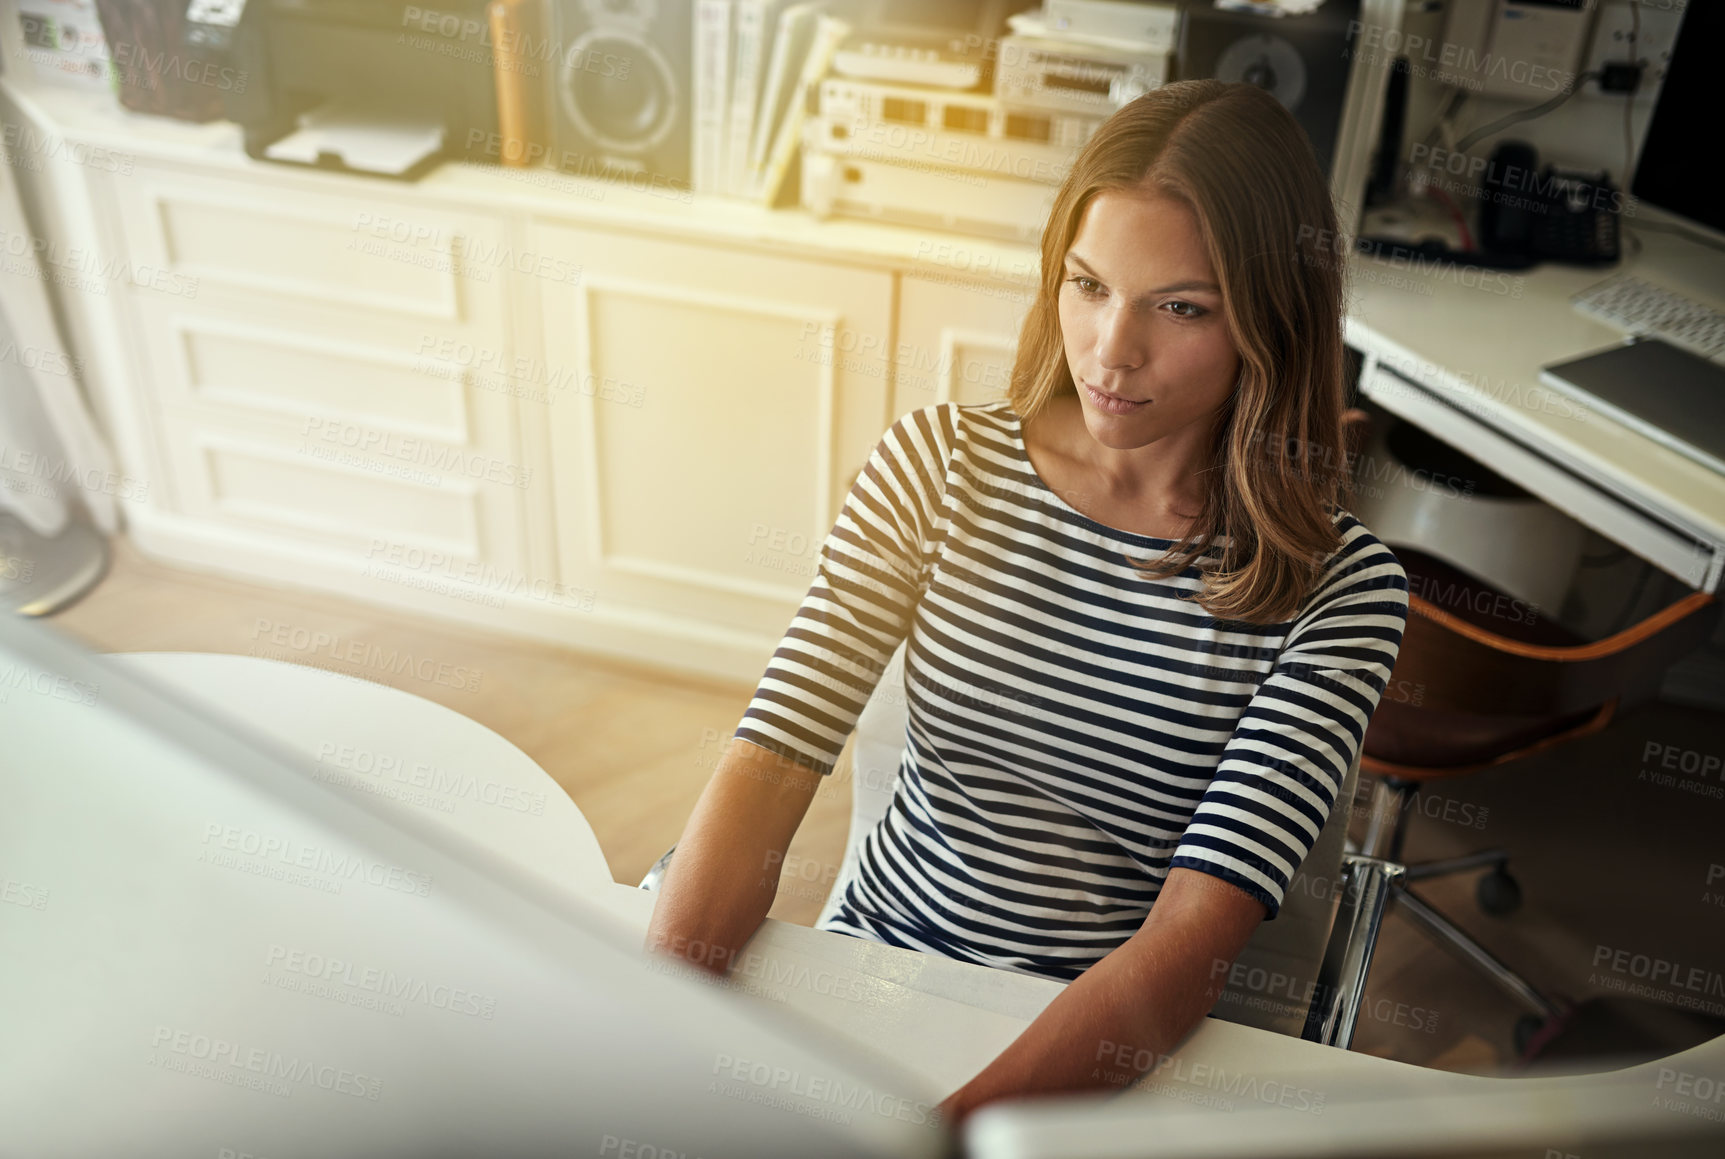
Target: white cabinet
<point x="625" y="424"/>
<point x="708" y="408"/>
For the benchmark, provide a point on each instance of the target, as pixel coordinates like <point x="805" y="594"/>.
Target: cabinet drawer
<point x="364" y="257"/>
<point x="293" y="373"/>
<point x="359" y="501"/>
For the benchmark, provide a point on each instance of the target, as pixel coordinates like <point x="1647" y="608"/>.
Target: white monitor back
<point x="209" y="952"/>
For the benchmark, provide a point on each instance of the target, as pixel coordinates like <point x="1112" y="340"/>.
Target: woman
<point x="1144" y="638"/>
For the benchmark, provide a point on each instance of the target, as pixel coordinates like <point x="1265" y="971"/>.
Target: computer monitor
<point x="207" y="951"/>
<point x="1682" y="167"/>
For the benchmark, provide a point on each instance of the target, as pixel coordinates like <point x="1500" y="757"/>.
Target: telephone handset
<point x="1547" y="213"/>
<point x="211" y="23"/>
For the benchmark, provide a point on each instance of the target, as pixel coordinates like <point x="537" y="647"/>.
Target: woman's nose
<point x="1119" y="338"/>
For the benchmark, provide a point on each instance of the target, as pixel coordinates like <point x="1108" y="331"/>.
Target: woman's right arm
<point x="722" y="880"/>
<point x="721" y="883"/>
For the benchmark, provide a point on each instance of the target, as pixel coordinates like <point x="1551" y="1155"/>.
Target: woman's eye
<point x="1186" y="309"/>
<point x="1089" y="287"/>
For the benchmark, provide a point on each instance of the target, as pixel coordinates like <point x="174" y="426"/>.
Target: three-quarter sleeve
<point x="873" y="569"/>
<point x="1285" y="763"/>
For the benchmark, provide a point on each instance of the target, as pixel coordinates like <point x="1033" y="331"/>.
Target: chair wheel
<point x="1526" y="1027"/>
<point x="1498" y="893"/>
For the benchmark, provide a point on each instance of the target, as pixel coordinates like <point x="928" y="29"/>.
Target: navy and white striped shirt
<point x="1074" y="731"/>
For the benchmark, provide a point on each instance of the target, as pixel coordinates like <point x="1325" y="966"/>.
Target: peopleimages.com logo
<point x="775" y="1083"/>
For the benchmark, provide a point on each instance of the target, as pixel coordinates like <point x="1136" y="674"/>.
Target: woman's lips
<point x="1108" y="404"/>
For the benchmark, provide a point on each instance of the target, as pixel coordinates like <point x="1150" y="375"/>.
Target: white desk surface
<point x="392" y="746"/>
<point x="942" y="1020"/>
<point x="1481" y="347"/>
<point x="938" y="1019"/>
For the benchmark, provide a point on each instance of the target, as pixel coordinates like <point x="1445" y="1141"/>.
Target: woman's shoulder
<point x="937" y="429"/>
<point x="1361" y="563"/>
<point x="997" y="414"/>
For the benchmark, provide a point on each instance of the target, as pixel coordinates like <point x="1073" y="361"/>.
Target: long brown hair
<point x="1242" y="164"/>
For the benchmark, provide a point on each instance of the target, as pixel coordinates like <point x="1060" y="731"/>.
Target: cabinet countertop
<point x="96" y="120"/>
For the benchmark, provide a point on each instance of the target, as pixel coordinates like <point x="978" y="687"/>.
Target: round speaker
<point x="628" y="110"/>
<point x="1269" y="62"/>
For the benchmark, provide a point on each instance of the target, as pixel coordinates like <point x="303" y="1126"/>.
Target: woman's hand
<point x="1146" y="995"/>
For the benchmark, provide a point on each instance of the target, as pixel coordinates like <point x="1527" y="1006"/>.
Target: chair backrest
<point x="1272" y="981"/>
<point x="1464" y="655"/>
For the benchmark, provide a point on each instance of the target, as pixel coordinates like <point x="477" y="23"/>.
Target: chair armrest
<point x="1367" y="885"/>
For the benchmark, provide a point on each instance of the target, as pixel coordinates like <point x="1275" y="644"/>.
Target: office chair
<point x="1296" y="975"/>
<point x="1489" y="692"/>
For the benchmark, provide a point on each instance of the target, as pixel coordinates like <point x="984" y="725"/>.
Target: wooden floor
<point x="632" y="747"/>
<point x="1604" y="858"/>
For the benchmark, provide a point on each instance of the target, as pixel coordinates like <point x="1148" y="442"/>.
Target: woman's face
<point x="1141" y="318"/>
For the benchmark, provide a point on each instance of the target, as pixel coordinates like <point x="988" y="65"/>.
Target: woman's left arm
<point x="1271" y="794"/>
<point x="1145" y="996"/>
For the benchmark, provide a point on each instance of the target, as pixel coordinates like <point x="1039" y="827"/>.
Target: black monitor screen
<point x="1681" y="169"/>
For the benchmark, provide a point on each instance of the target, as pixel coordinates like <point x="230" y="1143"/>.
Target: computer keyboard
<point x="1643" y="307"/>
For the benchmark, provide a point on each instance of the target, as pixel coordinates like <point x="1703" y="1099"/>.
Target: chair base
<point x="1498" y="895"/>
<point x="1458" y="940"/>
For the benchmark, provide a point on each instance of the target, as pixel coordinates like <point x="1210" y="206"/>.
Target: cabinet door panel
<point x="709" y="408"/>
<point x="956" y="340"/>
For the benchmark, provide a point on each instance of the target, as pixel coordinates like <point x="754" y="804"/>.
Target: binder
<point x="713" y="22"/>
<point x="756" y="22"/>
<point x="830" y="32"/>
<point x="791" y="42"/>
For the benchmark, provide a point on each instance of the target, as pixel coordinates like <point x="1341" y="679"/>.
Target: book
<point x="712" y="69"/>
<point x="752" y="40"/>
<point x="830" y="32"/>
<point x="791" y="40"/>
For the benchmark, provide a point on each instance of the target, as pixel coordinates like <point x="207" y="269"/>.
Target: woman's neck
<point x="1165" y="480"/>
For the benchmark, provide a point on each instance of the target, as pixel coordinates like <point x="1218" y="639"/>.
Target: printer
<point x="373" y="86"/>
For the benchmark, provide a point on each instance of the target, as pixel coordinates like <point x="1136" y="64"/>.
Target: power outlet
<point x="1611" y="30"/>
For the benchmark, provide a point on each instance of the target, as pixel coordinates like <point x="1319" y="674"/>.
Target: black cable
<point x="1634" y="599"/>
<point x="1521" y="115"/>
<point x="1634" y="239"/>
<point x="1629" y="97"/>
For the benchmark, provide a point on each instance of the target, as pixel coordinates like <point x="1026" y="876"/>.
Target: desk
<point x="938" y="1020"/>
<point x="1458" y="352"/>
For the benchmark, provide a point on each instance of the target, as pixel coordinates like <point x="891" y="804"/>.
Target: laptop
<point x="206" y="951"/>
<point x="1663" y="391"/>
